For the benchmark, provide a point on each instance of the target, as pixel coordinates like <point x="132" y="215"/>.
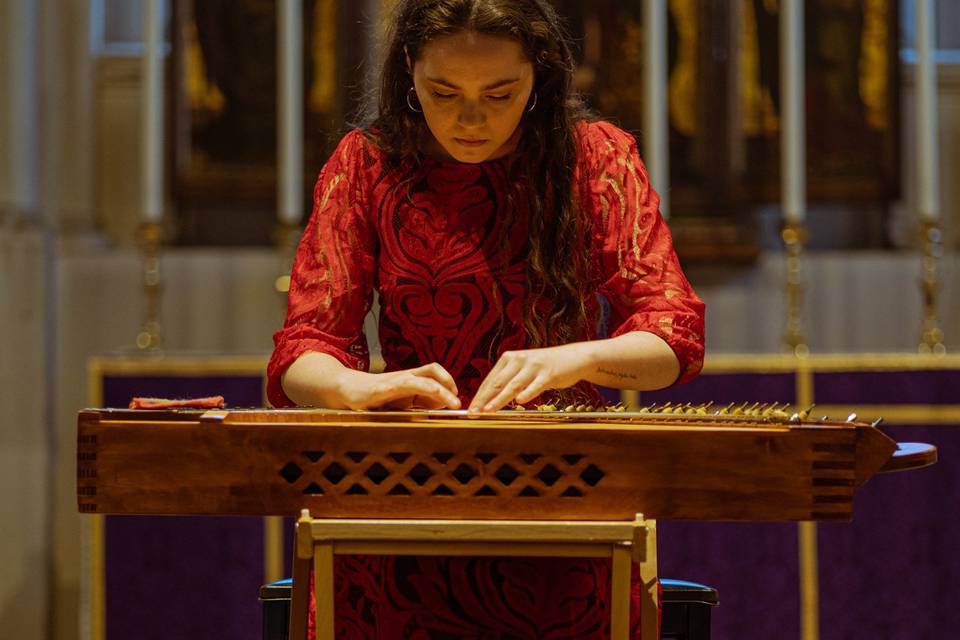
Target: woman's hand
<point x="426" y="387"/>
<point x="320" y="380"/>
<point x="521" y="376"/>
<point x="635" y="360"/>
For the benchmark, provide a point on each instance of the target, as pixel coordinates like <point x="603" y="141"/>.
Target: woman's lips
<point x="470" y="143"/>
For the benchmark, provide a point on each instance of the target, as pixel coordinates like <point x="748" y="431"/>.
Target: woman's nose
<point x="471" y="115"/>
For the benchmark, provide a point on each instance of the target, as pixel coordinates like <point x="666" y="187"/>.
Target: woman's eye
<point x="501" y="98"/>
<point x="443" y="96"/>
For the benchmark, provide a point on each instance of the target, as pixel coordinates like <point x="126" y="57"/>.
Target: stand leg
<point x="323" y="589"/>
<point x="645" y="543"/>
<point x="300" y="594"/>
<point x="620" y="593"/>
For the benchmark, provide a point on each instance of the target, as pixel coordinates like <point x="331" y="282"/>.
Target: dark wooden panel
<point x="354" y="464"/>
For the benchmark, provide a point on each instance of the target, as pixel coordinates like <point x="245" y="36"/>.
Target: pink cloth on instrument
<point x="446" y="251"/>
<point x="210" y="402"/>
<point x="433" y="238"/>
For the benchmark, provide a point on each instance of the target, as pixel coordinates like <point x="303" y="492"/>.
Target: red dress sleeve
<point x="637" y="268"/>
<point x="331" y="283"/>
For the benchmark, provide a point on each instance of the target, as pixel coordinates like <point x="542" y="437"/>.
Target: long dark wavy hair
<point x="542" y="167"/>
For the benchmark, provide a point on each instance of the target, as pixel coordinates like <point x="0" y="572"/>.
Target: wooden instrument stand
<point x="319" y="539"/>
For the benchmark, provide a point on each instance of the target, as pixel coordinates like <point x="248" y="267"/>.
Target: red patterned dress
<point x="444" y="245"/>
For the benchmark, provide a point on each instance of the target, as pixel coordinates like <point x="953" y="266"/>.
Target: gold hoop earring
<point x="410" y="102"/>
<point x="532" y="104"/>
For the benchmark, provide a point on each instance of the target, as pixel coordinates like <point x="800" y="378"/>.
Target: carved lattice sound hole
<point x="549" y="475"/>
<point x="464" y="473"/>
<point x="313" y="489"/>
<point x="291" y="472"/>
<point x="420" y="474"/>
<point x="442" y="473"/>
<point x="399" y="490"/>
<point x="334" y="473"/>
<point x="506" y="475"/>
<point x="442" y="490"/>
<point x="377" y="473"/>
<point x="592" y="475"/>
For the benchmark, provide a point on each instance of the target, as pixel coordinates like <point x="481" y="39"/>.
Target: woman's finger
<point x="532" y="390"/>
<point x="504" y="371"/>
<point x="509" y="391"/>
<point x="484" y="389"/>
<point x="505" y="368"/>
<point x="400" y="404"/>
<point x="431" y="391"/>
<point x="410" y="386"/>
<point x="426" y="402"/>
<point x="435" y="371"/>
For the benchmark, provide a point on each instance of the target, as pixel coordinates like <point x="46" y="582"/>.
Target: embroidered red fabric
<point x="445" y="249"/>
<point x="452" y="598"/>
<point x="432" y="239"/>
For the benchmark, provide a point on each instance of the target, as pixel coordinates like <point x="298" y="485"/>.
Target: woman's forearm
<point x="636" y="360"/>
<point x="316" y="380"/>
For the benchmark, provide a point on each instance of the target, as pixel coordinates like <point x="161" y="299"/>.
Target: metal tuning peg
<point x="780" y="410"/>
<point x="776" y="411"/>
<point x="738" y="410"/>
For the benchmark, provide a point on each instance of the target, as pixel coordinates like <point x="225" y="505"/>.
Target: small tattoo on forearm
<point x="622" y="375"/>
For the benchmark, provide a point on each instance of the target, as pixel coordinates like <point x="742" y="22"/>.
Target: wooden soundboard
<point x="508" y="465"/>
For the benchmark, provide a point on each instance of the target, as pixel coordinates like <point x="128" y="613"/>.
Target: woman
<point x="489" y="214"/>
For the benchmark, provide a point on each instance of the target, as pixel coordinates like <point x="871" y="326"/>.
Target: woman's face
<point x="473" y="89"/>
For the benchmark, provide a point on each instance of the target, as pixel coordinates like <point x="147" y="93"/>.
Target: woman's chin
<point x="469" y="154"/>
<point x="476" y="154"/>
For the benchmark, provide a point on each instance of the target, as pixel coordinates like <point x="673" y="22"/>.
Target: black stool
<point x="686" y="609"/>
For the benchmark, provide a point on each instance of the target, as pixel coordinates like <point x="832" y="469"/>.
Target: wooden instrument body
<point x="437" y="465"/>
